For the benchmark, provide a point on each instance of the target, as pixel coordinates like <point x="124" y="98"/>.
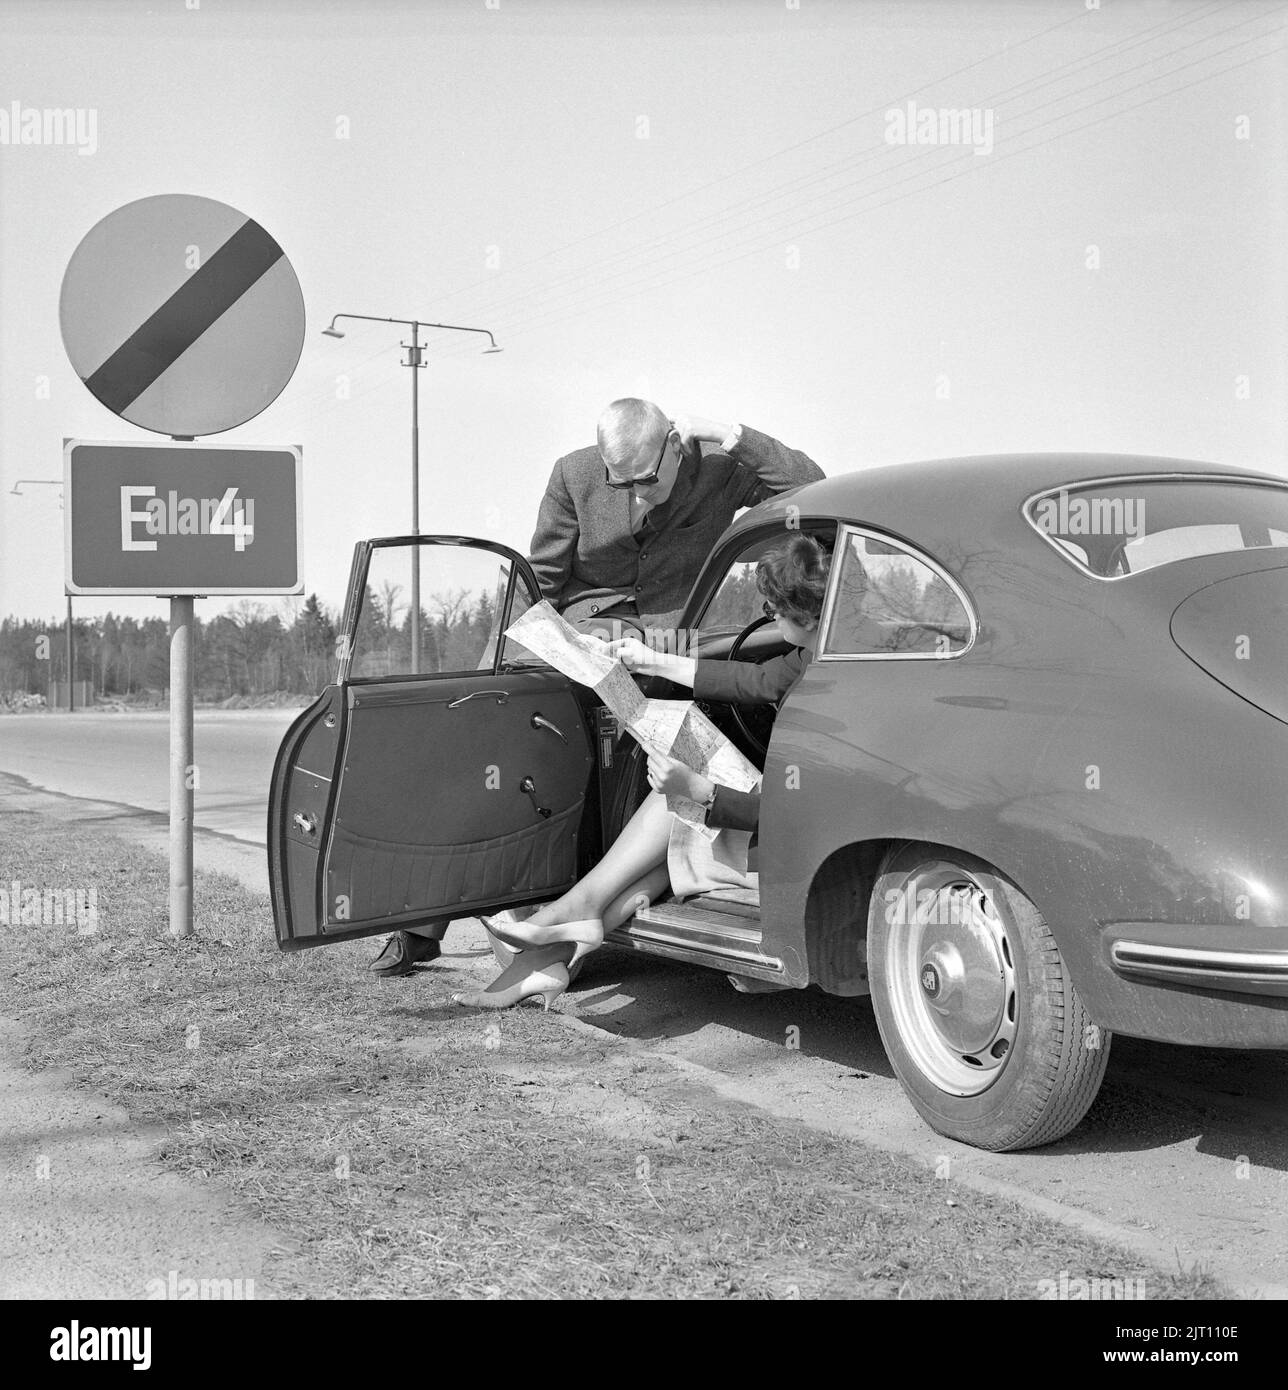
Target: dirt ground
<point x="1182" y="1161"/>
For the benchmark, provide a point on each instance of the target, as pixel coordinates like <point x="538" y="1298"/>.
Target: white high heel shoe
<point x="504" y="955"/>
<point x="549" y="983"/>
<point x="586" y="935"/>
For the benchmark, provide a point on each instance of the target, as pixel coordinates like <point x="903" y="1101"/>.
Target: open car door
<point x="445" y="772"/>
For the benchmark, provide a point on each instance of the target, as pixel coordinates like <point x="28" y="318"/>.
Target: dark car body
<point x="989" y="752"/>
<point x="1112" y="768"/>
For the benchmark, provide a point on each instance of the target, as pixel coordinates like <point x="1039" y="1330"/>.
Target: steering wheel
<point x="741" y="718"/>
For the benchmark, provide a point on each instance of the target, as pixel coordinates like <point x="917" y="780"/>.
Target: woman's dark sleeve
<point x="745" y="682"/>
<point x="734" y="810"/>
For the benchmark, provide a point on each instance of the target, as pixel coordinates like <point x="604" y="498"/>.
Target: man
<point x="624" y="527"/>
<point x="623" y="530"/>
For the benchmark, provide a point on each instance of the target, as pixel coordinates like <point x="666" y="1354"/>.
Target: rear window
<point x="1113" y="529"/>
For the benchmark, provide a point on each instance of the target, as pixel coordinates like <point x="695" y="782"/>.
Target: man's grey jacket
<point x="587" y="559"/>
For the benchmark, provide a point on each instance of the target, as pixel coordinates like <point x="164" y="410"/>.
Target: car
<point x="1028" y="793"/>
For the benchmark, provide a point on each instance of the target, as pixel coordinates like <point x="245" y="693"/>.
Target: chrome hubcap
<point x="951" y="976"/>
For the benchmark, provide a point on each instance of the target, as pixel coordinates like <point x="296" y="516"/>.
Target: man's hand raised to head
<point x="692" y="428"/>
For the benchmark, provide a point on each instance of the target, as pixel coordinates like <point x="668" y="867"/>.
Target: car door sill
<point x="718" y="938"/>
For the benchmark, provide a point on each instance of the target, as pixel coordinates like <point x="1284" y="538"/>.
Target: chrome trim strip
<point x="632" y="935"/>
<point x="1256" y="972"/>
<point x="677" y="928"/>
<point x="1026" y="511"/>
<point x="721" y="927"/>
<point x="309" y="773"/>
<point x="843" y="531"/>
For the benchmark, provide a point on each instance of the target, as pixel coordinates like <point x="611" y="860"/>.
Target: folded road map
<point x="677" y="728"/>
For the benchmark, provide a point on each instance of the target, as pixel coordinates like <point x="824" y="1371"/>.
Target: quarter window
<point x="888" y="602"/>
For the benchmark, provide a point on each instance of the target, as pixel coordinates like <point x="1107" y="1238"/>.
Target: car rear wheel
<point x="978" y="1015"/>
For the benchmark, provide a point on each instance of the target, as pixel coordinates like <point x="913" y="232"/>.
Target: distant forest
<point x="257" y="649"/>
<point x="251" y="650"/>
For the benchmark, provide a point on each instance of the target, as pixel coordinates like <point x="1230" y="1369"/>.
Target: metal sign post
<point x="181" y="315"/>
<point x="181" y="764"/>
<point x="181" y="520"/>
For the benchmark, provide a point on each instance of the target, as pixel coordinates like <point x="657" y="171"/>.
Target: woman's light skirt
<point x="699" y="865"/>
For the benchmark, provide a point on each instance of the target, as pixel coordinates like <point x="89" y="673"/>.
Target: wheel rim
<point x="950" y="973"/>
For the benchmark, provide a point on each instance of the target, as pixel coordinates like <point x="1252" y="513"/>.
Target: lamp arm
<point x="415" y="324"/>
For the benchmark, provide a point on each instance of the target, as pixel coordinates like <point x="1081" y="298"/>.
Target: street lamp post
<point x="415" y="360"/>
<point x="16" y="489"/>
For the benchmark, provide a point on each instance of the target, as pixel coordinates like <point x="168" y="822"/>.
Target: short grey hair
<point x="628" y="428"/>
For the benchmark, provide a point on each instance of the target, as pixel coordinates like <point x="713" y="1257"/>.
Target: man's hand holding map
<point x="676" y="728"/>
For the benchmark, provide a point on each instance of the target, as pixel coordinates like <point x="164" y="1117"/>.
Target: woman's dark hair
<point x="793" y="577"/>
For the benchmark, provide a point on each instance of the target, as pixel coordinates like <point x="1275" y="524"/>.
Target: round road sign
<point x="182" y="315"/>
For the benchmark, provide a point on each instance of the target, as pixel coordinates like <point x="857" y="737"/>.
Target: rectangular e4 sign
<point x="181" y="519"/>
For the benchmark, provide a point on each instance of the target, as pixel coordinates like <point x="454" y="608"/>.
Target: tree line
<point x="249" y="650"/>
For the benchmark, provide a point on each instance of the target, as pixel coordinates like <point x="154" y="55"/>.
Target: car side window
<point x="462" y="608"/>
<point x="736" y="601"/>
<point x="890" y="602"/>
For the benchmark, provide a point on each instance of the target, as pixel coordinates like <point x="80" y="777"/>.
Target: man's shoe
<point x="402" y="952"/>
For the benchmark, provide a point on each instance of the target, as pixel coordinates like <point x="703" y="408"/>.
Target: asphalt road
<point x="1184" y="1156"/>
<point x="125" y="758"/>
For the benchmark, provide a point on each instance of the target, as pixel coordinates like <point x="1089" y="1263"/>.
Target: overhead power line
<point x="526" y="325"/>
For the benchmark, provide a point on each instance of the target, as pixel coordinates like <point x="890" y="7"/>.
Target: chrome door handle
<point x="539" y="721"/>
<point x="308" y="824"/>
<point x="501" y="697"/>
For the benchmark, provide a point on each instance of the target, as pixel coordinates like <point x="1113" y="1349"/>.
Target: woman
<point x="657" y="849"/>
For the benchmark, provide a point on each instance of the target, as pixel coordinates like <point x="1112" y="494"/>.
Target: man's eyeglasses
<point x="647" y="481"/>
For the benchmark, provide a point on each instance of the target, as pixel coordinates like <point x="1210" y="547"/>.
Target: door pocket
<point x="368" y="878"/>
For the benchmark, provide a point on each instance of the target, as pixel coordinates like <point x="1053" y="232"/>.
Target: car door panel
<point x="453" y="796"/>
<point x="413" y="795"/>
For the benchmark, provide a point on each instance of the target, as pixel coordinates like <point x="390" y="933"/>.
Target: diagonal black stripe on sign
<point x="184" y="317"/>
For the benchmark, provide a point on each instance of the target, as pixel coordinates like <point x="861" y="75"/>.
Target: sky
<point x="709" y="204"/>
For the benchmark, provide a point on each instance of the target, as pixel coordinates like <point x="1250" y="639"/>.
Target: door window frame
<point x="362" y="553"/>
<point x="723" y="556"/>
<point x="846" y="529"/>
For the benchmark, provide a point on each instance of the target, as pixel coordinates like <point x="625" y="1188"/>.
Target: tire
<point x="979" y="1017"/>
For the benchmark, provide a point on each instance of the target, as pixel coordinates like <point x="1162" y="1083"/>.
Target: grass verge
<point x="404" y="1146"/>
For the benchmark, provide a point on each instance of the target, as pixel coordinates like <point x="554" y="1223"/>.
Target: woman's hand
<point x="635" y="656"/>
<point x="673" y="778"/>
<point x="645" y="661"/>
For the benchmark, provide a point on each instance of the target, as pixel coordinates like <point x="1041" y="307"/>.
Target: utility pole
<point x="70" y="645"/>
<point x="416" y="361"/>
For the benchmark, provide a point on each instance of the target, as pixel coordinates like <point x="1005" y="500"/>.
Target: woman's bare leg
<point x="640" y="893"/>
<point x="637" y="852"/>
<point x="631" y="873"/>
<point x="621" y="909"/>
